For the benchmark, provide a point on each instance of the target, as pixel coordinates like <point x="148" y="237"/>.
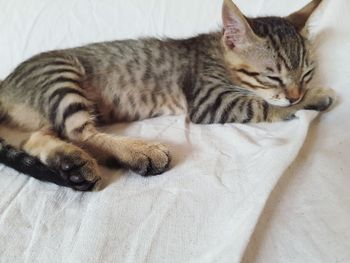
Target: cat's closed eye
<point x="307" y="77"/>
<point x="276" y="79"/>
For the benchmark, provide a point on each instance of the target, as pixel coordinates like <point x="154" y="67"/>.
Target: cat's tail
<point x="27" y="164"/>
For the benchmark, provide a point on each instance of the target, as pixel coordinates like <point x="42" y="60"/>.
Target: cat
<point x="253" y="70"/>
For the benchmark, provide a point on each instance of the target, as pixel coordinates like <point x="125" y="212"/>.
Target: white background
<point x="230" y="196"/>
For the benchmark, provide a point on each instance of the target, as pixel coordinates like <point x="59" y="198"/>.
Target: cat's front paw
<point x="319" y="99"/>
<point x="77" y="169"/>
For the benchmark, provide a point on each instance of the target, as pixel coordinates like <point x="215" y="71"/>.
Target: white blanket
<point x="229" y="196"/>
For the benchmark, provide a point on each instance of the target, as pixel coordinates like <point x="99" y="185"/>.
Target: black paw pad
<point x="75" y="170"/>
<point x="77" y="179"/>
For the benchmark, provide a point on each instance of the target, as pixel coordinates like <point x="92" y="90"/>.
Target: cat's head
<point x="269" y="55"/>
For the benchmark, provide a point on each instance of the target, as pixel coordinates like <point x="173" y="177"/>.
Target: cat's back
<point x="130" y="55"/>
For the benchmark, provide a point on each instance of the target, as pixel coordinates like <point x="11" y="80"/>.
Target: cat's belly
<point x="126" y="107"/>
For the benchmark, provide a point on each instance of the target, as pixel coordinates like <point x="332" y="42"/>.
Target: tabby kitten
<point x="254" y="70"/>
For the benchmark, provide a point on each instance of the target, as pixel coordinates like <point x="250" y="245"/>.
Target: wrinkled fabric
<point x="235" y="193"/>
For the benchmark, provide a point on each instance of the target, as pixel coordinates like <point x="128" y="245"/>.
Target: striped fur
<point x="244" y="74"/>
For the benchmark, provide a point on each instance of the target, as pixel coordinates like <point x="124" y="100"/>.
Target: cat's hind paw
<point x="77" y="170"/>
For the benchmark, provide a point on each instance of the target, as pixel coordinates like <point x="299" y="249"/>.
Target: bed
<point x="236" y="193"/>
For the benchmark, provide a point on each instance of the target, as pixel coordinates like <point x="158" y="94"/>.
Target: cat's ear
<point x="300" y="18"/>
<point x="237" y="31"/>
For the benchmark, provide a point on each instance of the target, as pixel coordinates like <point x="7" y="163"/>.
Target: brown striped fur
<point x="255" y="70"/>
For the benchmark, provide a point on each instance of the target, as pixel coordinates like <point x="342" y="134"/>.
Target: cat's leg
<point x="45" y="157"/>
<point x="74" y="120"/>
<point x="229" y="107"/>
<point x="74" y="167"/>
<point x="28" y="147"/>
<point x="142" y="157"/>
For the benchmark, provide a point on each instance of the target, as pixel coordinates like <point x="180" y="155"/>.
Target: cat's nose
<point x="293" y="94"/>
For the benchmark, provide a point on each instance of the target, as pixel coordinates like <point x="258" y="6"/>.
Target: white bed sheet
<point x="230" y="195"/>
